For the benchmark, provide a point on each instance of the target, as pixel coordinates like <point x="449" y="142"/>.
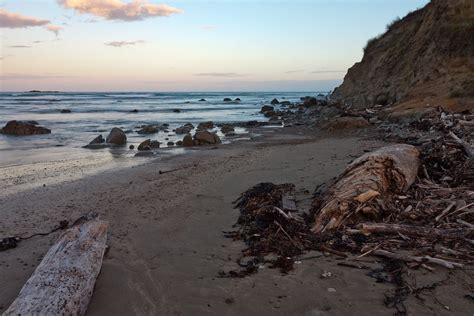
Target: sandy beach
<point x="167" y="244"/>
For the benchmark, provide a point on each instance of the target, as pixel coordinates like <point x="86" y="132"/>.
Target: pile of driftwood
<point x="411" y="203"/>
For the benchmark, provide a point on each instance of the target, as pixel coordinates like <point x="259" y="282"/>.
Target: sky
<point x="187" y="45"/>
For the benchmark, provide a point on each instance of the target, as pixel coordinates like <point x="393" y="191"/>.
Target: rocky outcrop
<point x="117" y="137"/>
<point x="426" y="58"/>
<point x="206" y="138"/>
<point x="149" y="145"/>
<point x="205" y="125"/>
<point x="24" y="128"/>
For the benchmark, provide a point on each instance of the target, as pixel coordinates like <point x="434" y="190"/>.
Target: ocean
<point x="97" y="113"/>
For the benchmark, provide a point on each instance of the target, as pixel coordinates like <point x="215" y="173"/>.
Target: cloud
<point x="219" y="74"/>
<point x="293" y="71"/>
<point x="118" y="10"/>
<point x="54" y="28"/>
<point x="326" y="71"/>
<point x="19" y="46"/>
<point x="14" y="20"/>
<point x="16" y="76"/>
<point x="123" y="43"/>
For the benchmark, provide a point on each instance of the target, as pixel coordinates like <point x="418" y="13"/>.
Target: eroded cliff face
<point x="424" y="59"/>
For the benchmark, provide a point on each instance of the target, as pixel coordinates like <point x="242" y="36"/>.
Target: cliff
<point x="424" y="59"/>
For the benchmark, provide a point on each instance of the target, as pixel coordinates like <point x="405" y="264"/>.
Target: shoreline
<point x="166" y="241"/>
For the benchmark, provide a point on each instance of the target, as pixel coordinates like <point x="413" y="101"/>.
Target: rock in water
<point x="275" y="101"/>
<point x="188" y="141"/>
<point x="21" y="128"/>
<point x="205" y="125"/>
<point x="226" y="128"/>
<point x="117" y="137"/>
<point x="227" y="100"/>
<point x="149" y="129"/>
<point x="266" y="108"/>
<point x="149" y="145"/>
<point x="206" y="138"/>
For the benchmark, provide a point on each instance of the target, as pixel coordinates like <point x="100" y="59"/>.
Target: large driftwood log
<point x="381" y="173"/>
<point x="63" y="282"/>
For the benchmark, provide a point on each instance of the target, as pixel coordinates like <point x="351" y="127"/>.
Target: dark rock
<point x="227" y="100"/>
<point x="148" y="129"/>
<point x="285" y="103"/>
<point x="205" y="125"/>
<point x="170" y="144"/>
<point x="131" y="147"/>
<point x="179" y="143"/>
<point x="65" y="111"/>
<point x="206" y="138"/>
<point x="20" y="128"/>
<point x="183" y="130"/>
<point x="310" y="101"/>
<point x="134" y="111"/>
<point x="267" y="108"/>
<point x="149" y="145"/>
<point x="188" y="141"/>
<point x="177" y="111"/>
<point x="275" y="101"/>
<point x="98" y="140"/>
<point x="117" y="137"/>
<point x="237" y="100"/>
<point x="202" y="100"/>
<point x="270" y="114"/>
<point x="226" y="128"/>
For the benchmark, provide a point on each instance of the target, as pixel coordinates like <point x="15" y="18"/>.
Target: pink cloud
<point x="15" y="20"/>
<point x="123" y="43"/>
<point x="119" y="10"/>
<point x="54" y="28"/>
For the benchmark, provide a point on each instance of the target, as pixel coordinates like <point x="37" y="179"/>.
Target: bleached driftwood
<point x="408" y="258"/>
<point x="378" y="174"/>
<point x="467" y="148"/>
<point x="63" y="282"/>
<point x="413" y="231"/>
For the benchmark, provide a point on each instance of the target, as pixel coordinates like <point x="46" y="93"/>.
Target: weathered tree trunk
<point x="381" y="173"/>
<point x="63" y="282"/>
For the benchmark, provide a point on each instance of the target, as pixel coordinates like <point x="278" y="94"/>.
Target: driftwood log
<point x="414" y="231"/>
<point x="386" y="171"/>
<point x="63" y="282"/>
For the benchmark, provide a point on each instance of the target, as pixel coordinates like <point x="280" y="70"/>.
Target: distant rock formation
<point x="426" y="58"/>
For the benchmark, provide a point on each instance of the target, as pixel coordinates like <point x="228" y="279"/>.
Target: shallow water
<point x="96" y="113"/>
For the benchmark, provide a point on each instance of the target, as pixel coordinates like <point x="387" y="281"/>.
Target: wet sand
<point x="166" y="241"/>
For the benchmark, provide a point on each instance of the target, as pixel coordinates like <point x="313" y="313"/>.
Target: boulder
<point x="270" y="114"/>
<point x="226" y="128"/>
<point x="170" y="144"/>
<point x="310" y="101"/>
<point x="285" y="103"/>
<point x="185" y="129"/>
<point x="117" y="137"/>
<point x="134" y="111"/>
<point x="206" y="138"/>
<point x="21" y="128"/>
<point x="202" y="100"/>
<point x="97" y="143"/>
<point x="274" y="102"/>
<point x="188" y="141"/>
<point x="347" y="122"/>
<point x="179" y="143"/>
<point x="227" y="100"/>
<point x="65" y="111"/>
<point x="267" y="108"/>
<point x="149" y="145"/>
<point x="148" y="129"/>
<point x="237" y="100"/>
<point x="177" y="111"/>
<point x="205" y="125"/>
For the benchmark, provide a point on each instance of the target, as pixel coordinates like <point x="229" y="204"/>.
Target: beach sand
<point x="167" y="244"/>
